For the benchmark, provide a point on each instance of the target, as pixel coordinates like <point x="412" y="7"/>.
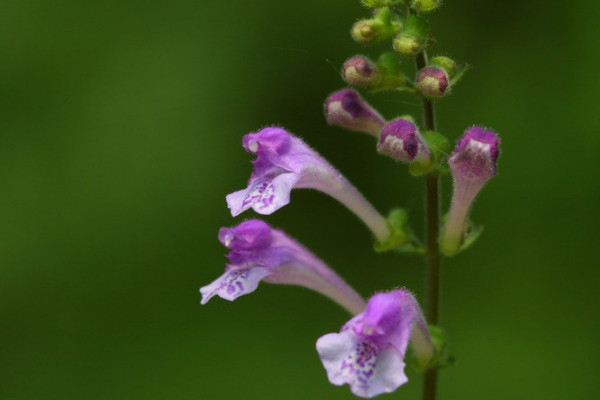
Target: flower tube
<point x="473" y="163"/>
<point x="284" y="162"/>
<point x="259" y="252"/>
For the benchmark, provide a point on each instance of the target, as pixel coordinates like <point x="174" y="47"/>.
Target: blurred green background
<point x="120" y="129"/>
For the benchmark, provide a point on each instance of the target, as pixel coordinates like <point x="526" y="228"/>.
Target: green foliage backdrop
<point x="120" y="128"/>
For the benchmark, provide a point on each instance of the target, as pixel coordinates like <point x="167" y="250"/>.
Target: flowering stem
<point x="432" y="223"/>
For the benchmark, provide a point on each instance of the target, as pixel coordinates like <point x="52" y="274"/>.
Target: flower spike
<point x="347" y="109"/>
<point x="284" y="162"/>
<point x="259" y="252"/>
<point x="473" y="163"/>
<point x="368" y="353"/>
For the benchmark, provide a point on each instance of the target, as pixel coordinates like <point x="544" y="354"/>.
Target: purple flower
<point x="473" y="163"/>
<point x="401" y="140"/>
<point x="259" y="252"/>
<point x="368" y="353"/>
<point x="285" y="162"/>
<point x="347" y="109"/>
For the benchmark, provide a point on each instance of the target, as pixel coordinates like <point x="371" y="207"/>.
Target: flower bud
<point x="424" y="6"/>
<point x="401" y="140"/>
<point x="413" y="37"/>
<point x="360" y="71"/>
<point x="432" y="82"/>
<point x="377" y="29"/>
<point x="347" y="109"/>
<point x="473" y="163"/>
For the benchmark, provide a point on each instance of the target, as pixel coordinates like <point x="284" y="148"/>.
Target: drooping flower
<point x="368" y="353"/>
<point x="473" y="163"/>
<point x="284" y="162"/>
<point x="347" y="109"/>
<point x="259" y="252"/>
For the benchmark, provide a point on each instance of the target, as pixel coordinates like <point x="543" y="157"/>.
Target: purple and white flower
<point x="368" y="353"/>
<point x="347" y="109"/>
<point x="284" y="162"/>
<point x="259" y="252"/>
<point x="401" y="140"/>
<point x="473" y="163"/>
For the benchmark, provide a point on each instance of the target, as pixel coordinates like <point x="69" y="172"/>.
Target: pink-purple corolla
<point x="260" y="252"/>
<point x="368" y="353"/>
<point x="473" y="163"/>
<point x="284" y="162"/>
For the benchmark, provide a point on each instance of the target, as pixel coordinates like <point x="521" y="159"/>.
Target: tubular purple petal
<point x="284" y="162"/>
<point x="473" y="163"/>
<point x="259" y="252"/>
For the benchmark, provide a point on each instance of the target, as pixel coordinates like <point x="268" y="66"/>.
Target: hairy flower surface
<point x="285" y="162"/>
<point x="259" y="252"/>
<point x="368" y="353"/>
<point x="401" y="140"/>
<point x="347" y="109"/>
<point x="473" y="163"/>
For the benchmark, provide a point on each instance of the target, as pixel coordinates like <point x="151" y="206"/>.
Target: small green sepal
<point x="414" y="36"/>
<point x="446" y="63"/>
<point x="438" y="146"/>
<point x="454" y="71"/>
<point x="381" y="3"/>
<point x="425" y="6"/>
<point x="441" y="358"/>
<point x="391" y="75"/>
<point x="470" y="236"/>
<point x="377" y="29"/>
<point x="400" y="234"/>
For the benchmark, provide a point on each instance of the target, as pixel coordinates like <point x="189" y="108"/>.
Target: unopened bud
<point x="376" y="29"/>
<point x="360" y="71"/>
<point x="413" y="37"/>
<point x="401" y="140"/>
<point x="347" y="109"/>
<point x="432" y="82"/>
<point x="473" y="163"/>
<point x="424" y="6"/>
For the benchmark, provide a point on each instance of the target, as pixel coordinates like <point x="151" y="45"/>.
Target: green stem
<point x="432" y="224"/>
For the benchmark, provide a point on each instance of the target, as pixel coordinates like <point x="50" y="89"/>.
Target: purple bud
<point x="432" y="82"/>
<point x="473" y="163"/>
<point x="347" y="109"/>
<point x="400" y="139"/>
<point x="476" y="154"/>
<point x="360" y="71"/>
